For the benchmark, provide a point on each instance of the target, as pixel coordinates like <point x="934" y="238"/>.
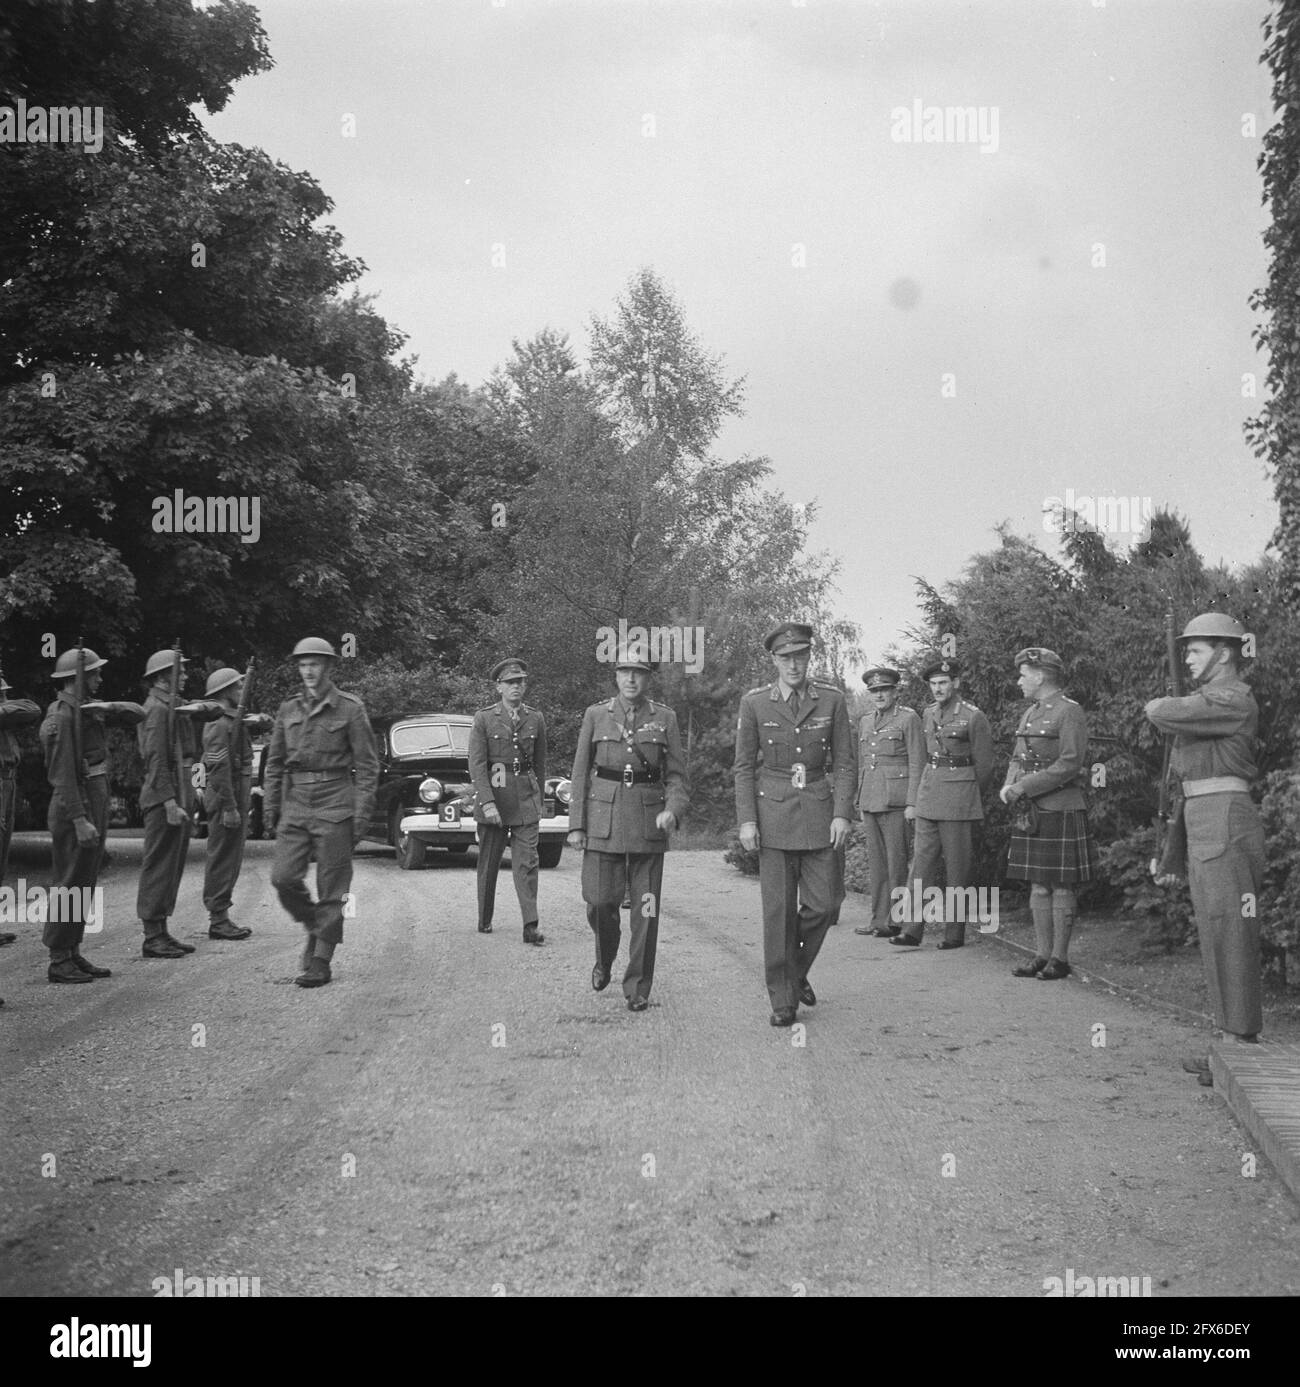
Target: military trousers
<point x="295" y="842"/>
<point x="492" y="840"/>
<point x="75" y="867"/>
<point x="607" y="877"/>
<point x="1225" y="864"/>
<point x="802" y="892"/>
<point x="948" y="843"/>
<point x="225" y="858"/>
<point x="165" y="849"/>
<point x="886" y="838"/>
<point x="8" y="809"/>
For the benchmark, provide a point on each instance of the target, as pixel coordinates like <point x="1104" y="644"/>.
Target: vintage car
<point x="425" y="798"/>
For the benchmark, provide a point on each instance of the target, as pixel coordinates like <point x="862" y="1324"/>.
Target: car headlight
<point x="431" y="790"/>
<point x="564" y="791"/>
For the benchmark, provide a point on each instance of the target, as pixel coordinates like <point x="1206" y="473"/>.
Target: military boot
<point x="316" y="975"/>
<point x="532" y="935"/>
<point x="227" y="929"/>
<point x="67" y="971"/>
<point x="87" y="967"/>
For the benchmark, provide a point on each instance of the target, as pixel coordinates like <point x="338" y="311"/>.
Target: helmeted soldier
<point x="78" y="812"/>
<point x="629" y="791"/>
<point x="227" y="786"/>
<point x="507" y="763"/>
<point x="891" y="753"/>
<point x="1051" y="846"/>
<point x="14" y="712"/>
<point x="1214" y="731"/>
<point x="796" y="774"/>
<point x="321" y="772"/>
<point x="958" y="768"/>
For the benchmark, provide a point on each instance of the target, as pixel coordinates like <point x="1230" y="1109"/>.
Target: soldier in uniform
<point x="227" y="786"/>
<point x="321" y="773"/>
<point x="891" y="752"/>
<point x="629" y="790"/>
<point x="1051" y="846"/>
<point x="14" y="712"/>
<point x="1214" y="731"/>
<point x="78" y="813"/>
<point x="795" y="776"/>
<point x="169" y="748"/>
<point x="959" y="766"/>
<point x="507" y="762"/>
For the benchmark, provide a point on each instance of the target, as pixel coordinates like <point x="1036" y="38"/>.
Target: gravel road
<point x="460" y="1114"/>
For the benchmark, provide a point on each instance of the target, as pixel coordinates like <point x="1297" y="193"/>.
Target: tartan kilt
<point x="1061" y="853"/>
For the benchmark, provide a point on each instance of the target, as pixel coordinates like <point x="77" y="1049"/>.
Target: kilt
<point x="1061" y="853"/>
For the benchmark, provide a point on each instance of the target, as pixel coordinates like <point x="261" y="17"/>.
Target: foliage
<point x="1280" y="899"/>
<point x="1164" y="914"/>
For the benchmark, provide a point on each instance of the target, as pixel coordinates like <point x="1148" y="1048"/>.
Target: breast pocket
<point x="654" y="747"/>
<point x="331" y="734"/>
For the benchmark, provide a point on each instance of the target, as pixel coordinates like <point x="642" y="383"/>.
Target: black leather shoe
<point x="176" y="944"/>
<point x="637" y="1003"/>
<point x="161" y="946"/>
<point x="599" y="978"/>
<point x="1055" y="969"/>
<point x="87" y="967"/>
<point x="806" y="995"/>
<point x="485" y="929"/>
<point x="782" y="1016"/>
<point x="951" y="944"/>
<point x="905" y="940"/>
<point x="886" y="932"/>
<point x="317" y="974"/>
<point x="226" y="929"/>
<point x="532" y="935"/>
<point x="67" y="971"/>
<point x="1030" y="969"/>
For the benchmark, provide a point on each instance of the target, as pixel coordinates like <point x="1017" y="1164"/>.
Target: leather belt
<point x="950" y="762"/>
<point x="317" y="777"/>
<point x="1216" y="785"/>
<point x="628" y="776"/>
<point x="810" y="777"/>
<point x="521" y="768"/>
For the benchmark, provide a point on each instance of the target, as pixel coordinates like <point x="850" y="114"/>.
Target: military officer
<point x="14" y="712"/>
<point x="321" y="772"/>
<point x="507" y="763"/>
<point x="78" y="812"/>
<point x="629" y="791"/>
<point x="959" y="767"/>
<point x="795" y="774"/>
<point x="227" y="785"/>
<point x="1214" y="731"/>
<point x="1051" y="846"/>
<point x="891" y="752"/>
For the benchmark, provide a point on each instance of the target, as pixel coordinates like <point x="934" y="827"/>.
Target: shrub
<point x="1164" y="913"/>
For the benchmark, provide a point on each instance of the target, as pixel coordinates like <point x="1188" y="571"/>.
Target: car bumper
<point x="433" y="829"/>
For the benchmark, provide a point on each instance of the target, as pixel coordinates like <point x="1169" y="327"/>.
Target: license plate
<point x="450" y="814"/>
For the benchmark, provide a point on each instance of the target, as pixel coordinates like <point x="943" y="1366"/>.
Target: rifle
<point x="78" y="698"/>
<point x="241" y="736"/>
<point x="1171" y="832"/>
<point x="173" y="728"/>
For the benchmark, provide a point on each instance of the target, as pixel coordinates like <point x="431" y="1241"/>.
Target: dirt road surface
<point x="459" y="1114"/>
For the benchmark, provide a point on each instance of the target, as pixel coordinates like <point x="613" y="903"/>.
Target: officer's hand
<point x="1008" y="793"/>
<point x="87" y="833"/>
<point x="231" y="818"/>
<point x="749" y="837"/>
<point x="1170" y="879"/>
<point x="910" y="813"/>
<point x="840" y="830"/>
<point x="667" y="820"/>
<point x="358" y="833"/>
<point x="577" y="839"/>
<point x="492" y="814"/>
<point x="175" y="814"/>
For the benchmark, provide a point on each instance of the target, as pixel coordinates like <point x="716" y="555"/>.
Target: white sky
<point x="521" y="124"/>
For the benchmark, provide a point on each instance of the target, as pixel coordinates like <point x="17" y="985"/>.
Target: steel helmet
<point x="221" y="679"/>
<point x="1213" y="626"/>
<point x="66" y="664"/>
<point x="314" y="645"/>
<point x="159" y="661"/>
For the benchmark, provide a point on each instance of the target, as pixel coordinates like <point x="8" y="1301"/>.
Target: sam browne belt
<point x="950" y="762"/>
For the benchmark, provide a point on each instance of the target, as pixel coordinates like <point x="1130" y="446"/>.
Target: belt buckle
<point x="799" y="775"/>
<point x="515" y="768"/>
<point x="627" y="776"/>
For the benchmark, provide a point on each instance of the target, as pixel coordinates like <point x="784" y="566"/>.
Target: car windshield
<point x="427" y="738"/>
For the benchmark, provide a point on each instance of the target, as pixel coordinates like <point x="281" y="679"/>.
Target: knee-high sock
<point x="1040" y="905"/>
<point x="1063" y="909"/>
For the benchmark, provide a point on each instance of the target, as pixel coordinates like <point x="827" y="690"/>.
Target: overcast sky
<point x="931" y="340"/>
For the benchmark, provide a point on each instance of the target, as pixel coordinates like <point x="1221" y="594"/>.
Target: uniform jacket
<point x="507" y="763"/>
<point x="616" y="817"/>
<point x="1215" y="729"/>
<point x="953" y="792"/>
<point x="57" y="743"/>
<point x="161" y="782"/>
<point x="227" y="764"/>
<point x="891" y="753"/>
<point x="333" y="736"/>
<point x="14" y="712"/>
<point x="1050" y="754"/>
<point x="774" y="737"/>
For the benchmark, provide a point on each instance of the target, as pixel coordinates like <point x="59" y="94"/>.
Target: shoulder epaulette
<point x="762" y="688"/>
<point x="826" y="684"/>
<point x="351" y="697"/>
